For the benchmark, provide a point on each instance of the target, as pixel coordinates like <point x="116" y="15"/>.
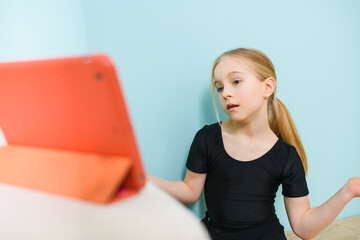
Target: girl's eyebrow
<point x="218" y="81"/>
<point x="235" y="72"/>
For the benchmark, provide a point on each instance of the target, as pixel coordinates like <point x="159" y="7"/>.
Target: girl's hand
<point x="353" y="186"/>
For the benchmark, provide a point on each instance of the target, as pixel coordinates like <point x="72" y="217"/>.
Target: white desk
<point x="152" y="214"/>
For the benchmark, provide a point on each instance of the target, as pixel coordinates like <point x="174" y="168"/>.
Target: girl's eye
<point x="237" y="81"/>
<point x="220" y="89"/>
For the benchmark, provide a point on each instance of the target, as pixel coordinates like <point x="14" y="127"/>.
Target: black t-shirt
<point x="240" y="194"/>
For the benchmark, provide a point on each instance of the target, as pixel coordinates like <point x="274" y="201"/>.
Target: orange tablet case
<point x="68" y="129"/>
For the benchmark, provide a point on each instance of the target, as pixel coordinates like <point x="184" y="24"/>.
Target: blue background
<point x="164" y="51"/>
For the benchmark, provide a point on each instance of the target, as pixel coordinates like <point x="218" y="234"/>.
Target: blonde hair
<point x="280" y="120"/>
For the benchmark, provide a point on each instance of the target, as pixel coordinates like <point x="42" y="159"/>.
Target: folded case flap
<point x="88" y="176"/>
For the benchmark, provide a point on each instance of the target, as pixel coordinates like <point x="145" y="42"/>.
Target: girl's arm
<point x="307" y="222"/>
<point x="187" y="191"/>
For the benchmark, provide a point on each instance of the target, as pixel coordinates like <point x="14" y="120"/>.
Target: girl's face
<point x="241" y="93"/>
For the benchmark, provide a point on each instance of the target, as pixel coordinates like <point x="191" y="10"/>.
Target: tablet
<point x="66" y="119"/>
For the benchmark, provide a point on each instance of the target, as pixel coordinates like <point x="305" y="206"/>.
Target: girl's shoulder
<point x="286" y="147"/>
<point x="213" y="126"/>
<point x="209" y="129"/>
<point x="283" y="145"/>
<point x="286" y="152"/>
<point x="208" y="133"/>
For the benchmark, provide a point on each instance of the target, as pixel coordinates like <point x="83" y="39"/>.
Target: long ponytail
<point x="282" y="124"/>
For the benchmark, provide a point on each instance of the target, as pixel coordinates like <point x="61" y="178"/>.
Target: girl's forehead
<point x="228" y="65"/>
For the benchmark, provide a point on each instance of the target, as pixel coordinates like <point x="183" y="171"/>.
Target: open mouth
<point x="231" y="106"/>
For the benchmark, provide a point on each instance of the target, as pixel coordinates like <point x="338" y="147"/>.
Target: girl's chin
<point x="238" y="118"/>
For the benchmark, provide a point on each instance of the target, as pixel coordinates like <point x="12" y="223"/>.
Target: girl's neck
<point x="250" y="131"/>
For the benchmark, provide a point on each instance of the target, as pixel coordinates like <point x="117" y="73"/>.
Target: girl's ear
<point x="269" y="85"/>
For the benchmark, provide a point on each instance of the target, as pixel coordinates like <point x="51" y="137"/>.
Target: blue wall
<point x="41" y="28"/>
<point x="164" y="52"/>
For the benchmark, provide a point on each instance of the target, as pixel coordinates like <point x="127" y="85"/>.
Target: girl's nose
<point x="226" y="93"/>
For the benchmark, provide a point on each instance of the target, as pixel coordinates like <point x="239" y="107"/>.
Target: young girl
<point x="243" y="160"/>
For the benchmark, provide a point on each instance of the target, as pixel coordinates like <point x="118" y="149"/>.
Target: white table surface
<point x="151" y="214"/>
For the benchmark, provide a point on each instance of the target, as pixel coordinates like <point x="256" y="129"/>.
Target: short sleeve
<point x="197" y="160"/>
<point x="293" y="176"/>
